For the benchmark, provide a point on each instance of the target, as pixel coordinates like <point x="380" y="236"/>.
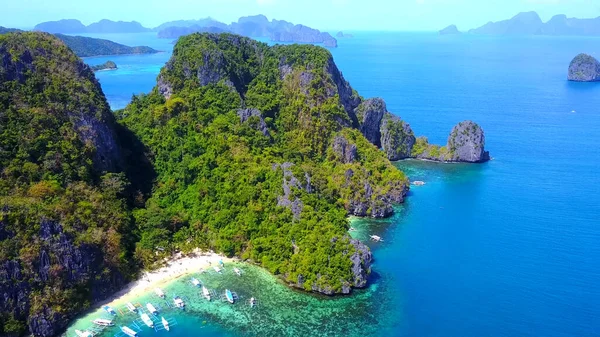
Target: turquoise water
<point x="507" y="248"/>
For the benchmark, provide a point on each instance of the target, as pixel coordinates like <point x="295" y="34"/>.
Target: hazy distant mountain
<point x="67" y="26"/>
<point x="529" y="23"/>
<point x="206" y="22"/>
<point x="450" y="30"/>
<point x="4" y="30"/>
<point x="253" y="26"/>
<point x="108" y="26"/>
<point x="72" y="26"/>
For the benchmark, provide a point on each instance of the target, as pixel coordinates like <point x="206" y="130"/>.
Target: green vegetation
<point x="217" y="184"/>
<point x="108" y="65"/>
<point x="77" y="215"/>
<point x="51" y="179"/>
<point x="87" y="46"/>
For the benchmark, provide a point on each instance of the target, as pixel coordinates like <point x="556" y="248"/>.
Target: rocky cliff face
<point x="584" y="68"/>
<point x="369" y="114"/>
<point x="397" y="138"/>
<point x="466" y="144"/>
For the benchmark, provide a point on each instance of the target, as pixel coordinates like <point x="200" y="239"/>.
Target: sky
<point x="357" y="15"/>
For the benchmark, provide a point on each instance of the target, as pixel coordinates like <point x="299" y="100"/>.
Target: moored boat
<point x="151" y="308"/>
<point x="126" y="330"/>
<point x="83" y="333"/>
<point x="103" y="322"/>
<point x="252" y="302"/>
<point x="146" y="319"/>
<point x="109" y="310"/>
<point x="165" y="323"/>
<point x="205" y="293"/>
<point x="217" y="269"/>
<point x="178" y="302"/>
<point x="229" y="296"/>
<point x="159" y="292"/>
<point x="195" y="282"/>
<point x="237" y="271"/>
<point x="131" y="307"/>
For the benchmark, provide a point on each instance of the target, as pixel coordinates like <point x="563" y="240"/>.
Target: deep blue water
<point x="506" y="248"/>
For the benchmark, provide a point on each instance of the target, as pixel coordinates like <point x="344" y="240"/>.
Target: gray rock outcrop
<point x="466" y="143"/>
<point x="259" y="122"/>
<point x="369" y="114"/>
<point x="345" y="151"/>
<point x="290" y="181"/>
<point x="397" y="137"/>
<point x="584" y="68"/>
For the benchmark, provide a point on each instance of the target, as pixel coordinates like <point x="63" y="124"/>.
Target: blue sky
<point x="404" y="15"/>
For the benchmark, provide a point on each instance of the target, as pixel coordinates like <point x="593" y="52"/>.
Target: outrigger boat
<point x="146" y="319"/>
<point x="165" y="323"/>
<point x="217" y="269"/>
<point x="195" y="282"/>
<point x="252" y="302"/>
<point x="131" y="307"/>
<point x="178" y="302"/>
<point x="109" y="310"/>
<point x="103" y="322"/>
<point x="205" y="293"/>
<point x="83" y="333"/>
<point x="151" y="308"/>
<point x="229" y="296"/>
<point x="126" y="330"/>
<point x="237" y="271"/>
<point x="159" y="292"/>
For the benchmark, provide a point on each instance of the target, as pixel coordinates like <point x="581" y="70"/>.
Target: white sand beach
<point x="176" y="267"/>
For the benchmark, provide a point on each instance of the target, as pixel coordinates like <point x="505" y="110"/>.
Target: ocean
<point x="506" y="248"/>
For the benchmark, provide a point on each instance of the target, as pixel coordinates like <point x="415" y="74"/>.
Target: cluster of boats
<point x="146" y="319"/>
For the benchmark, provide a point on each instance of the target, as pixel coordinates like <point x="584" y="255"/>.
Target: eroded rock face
<point x="348" y="97"/>
<point x="290" y="181"/>
<point x="376" y="204"/>
<point x="260" y="125"/>
<point x="345" y="151"/>
<point x="361" y="263"/>
<point x="369" y="114"/>
<point x="466" y="143"/>
<point x="58" y="258"/>
<point x="397" y="137"/>
<point x="584" y="68"/>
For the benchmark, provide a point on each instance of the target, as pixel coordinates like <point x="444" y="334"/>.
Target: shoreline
<point x="175" y="268"/>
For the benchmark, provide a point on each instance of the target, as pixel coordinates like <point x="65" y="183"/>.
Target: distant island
<point x="87" y="46"/>
<point x="530" y="23"/>
<point x="584" y="68"/>
<point x="72" y="26"/>
<point x="342" y="35"/>
<point x="450" y="30"/>
<point x="250" y="26"/>
<point x="108" y="65"/>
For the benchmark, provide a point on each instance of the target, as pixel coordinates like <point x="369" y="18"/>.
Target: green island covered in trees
<point x="241" y="148"/>
<point x="108" y="65"/>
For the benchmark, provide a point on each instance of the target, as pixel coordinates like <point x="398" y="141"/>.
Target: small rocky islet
<point x="108" y="65"/>
<point x="234" y="150"/>
<point x="584" y="68"/>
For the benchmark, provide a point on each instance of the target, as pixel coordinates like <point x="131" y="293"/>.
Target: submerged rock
<point x="584" y="68"/>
